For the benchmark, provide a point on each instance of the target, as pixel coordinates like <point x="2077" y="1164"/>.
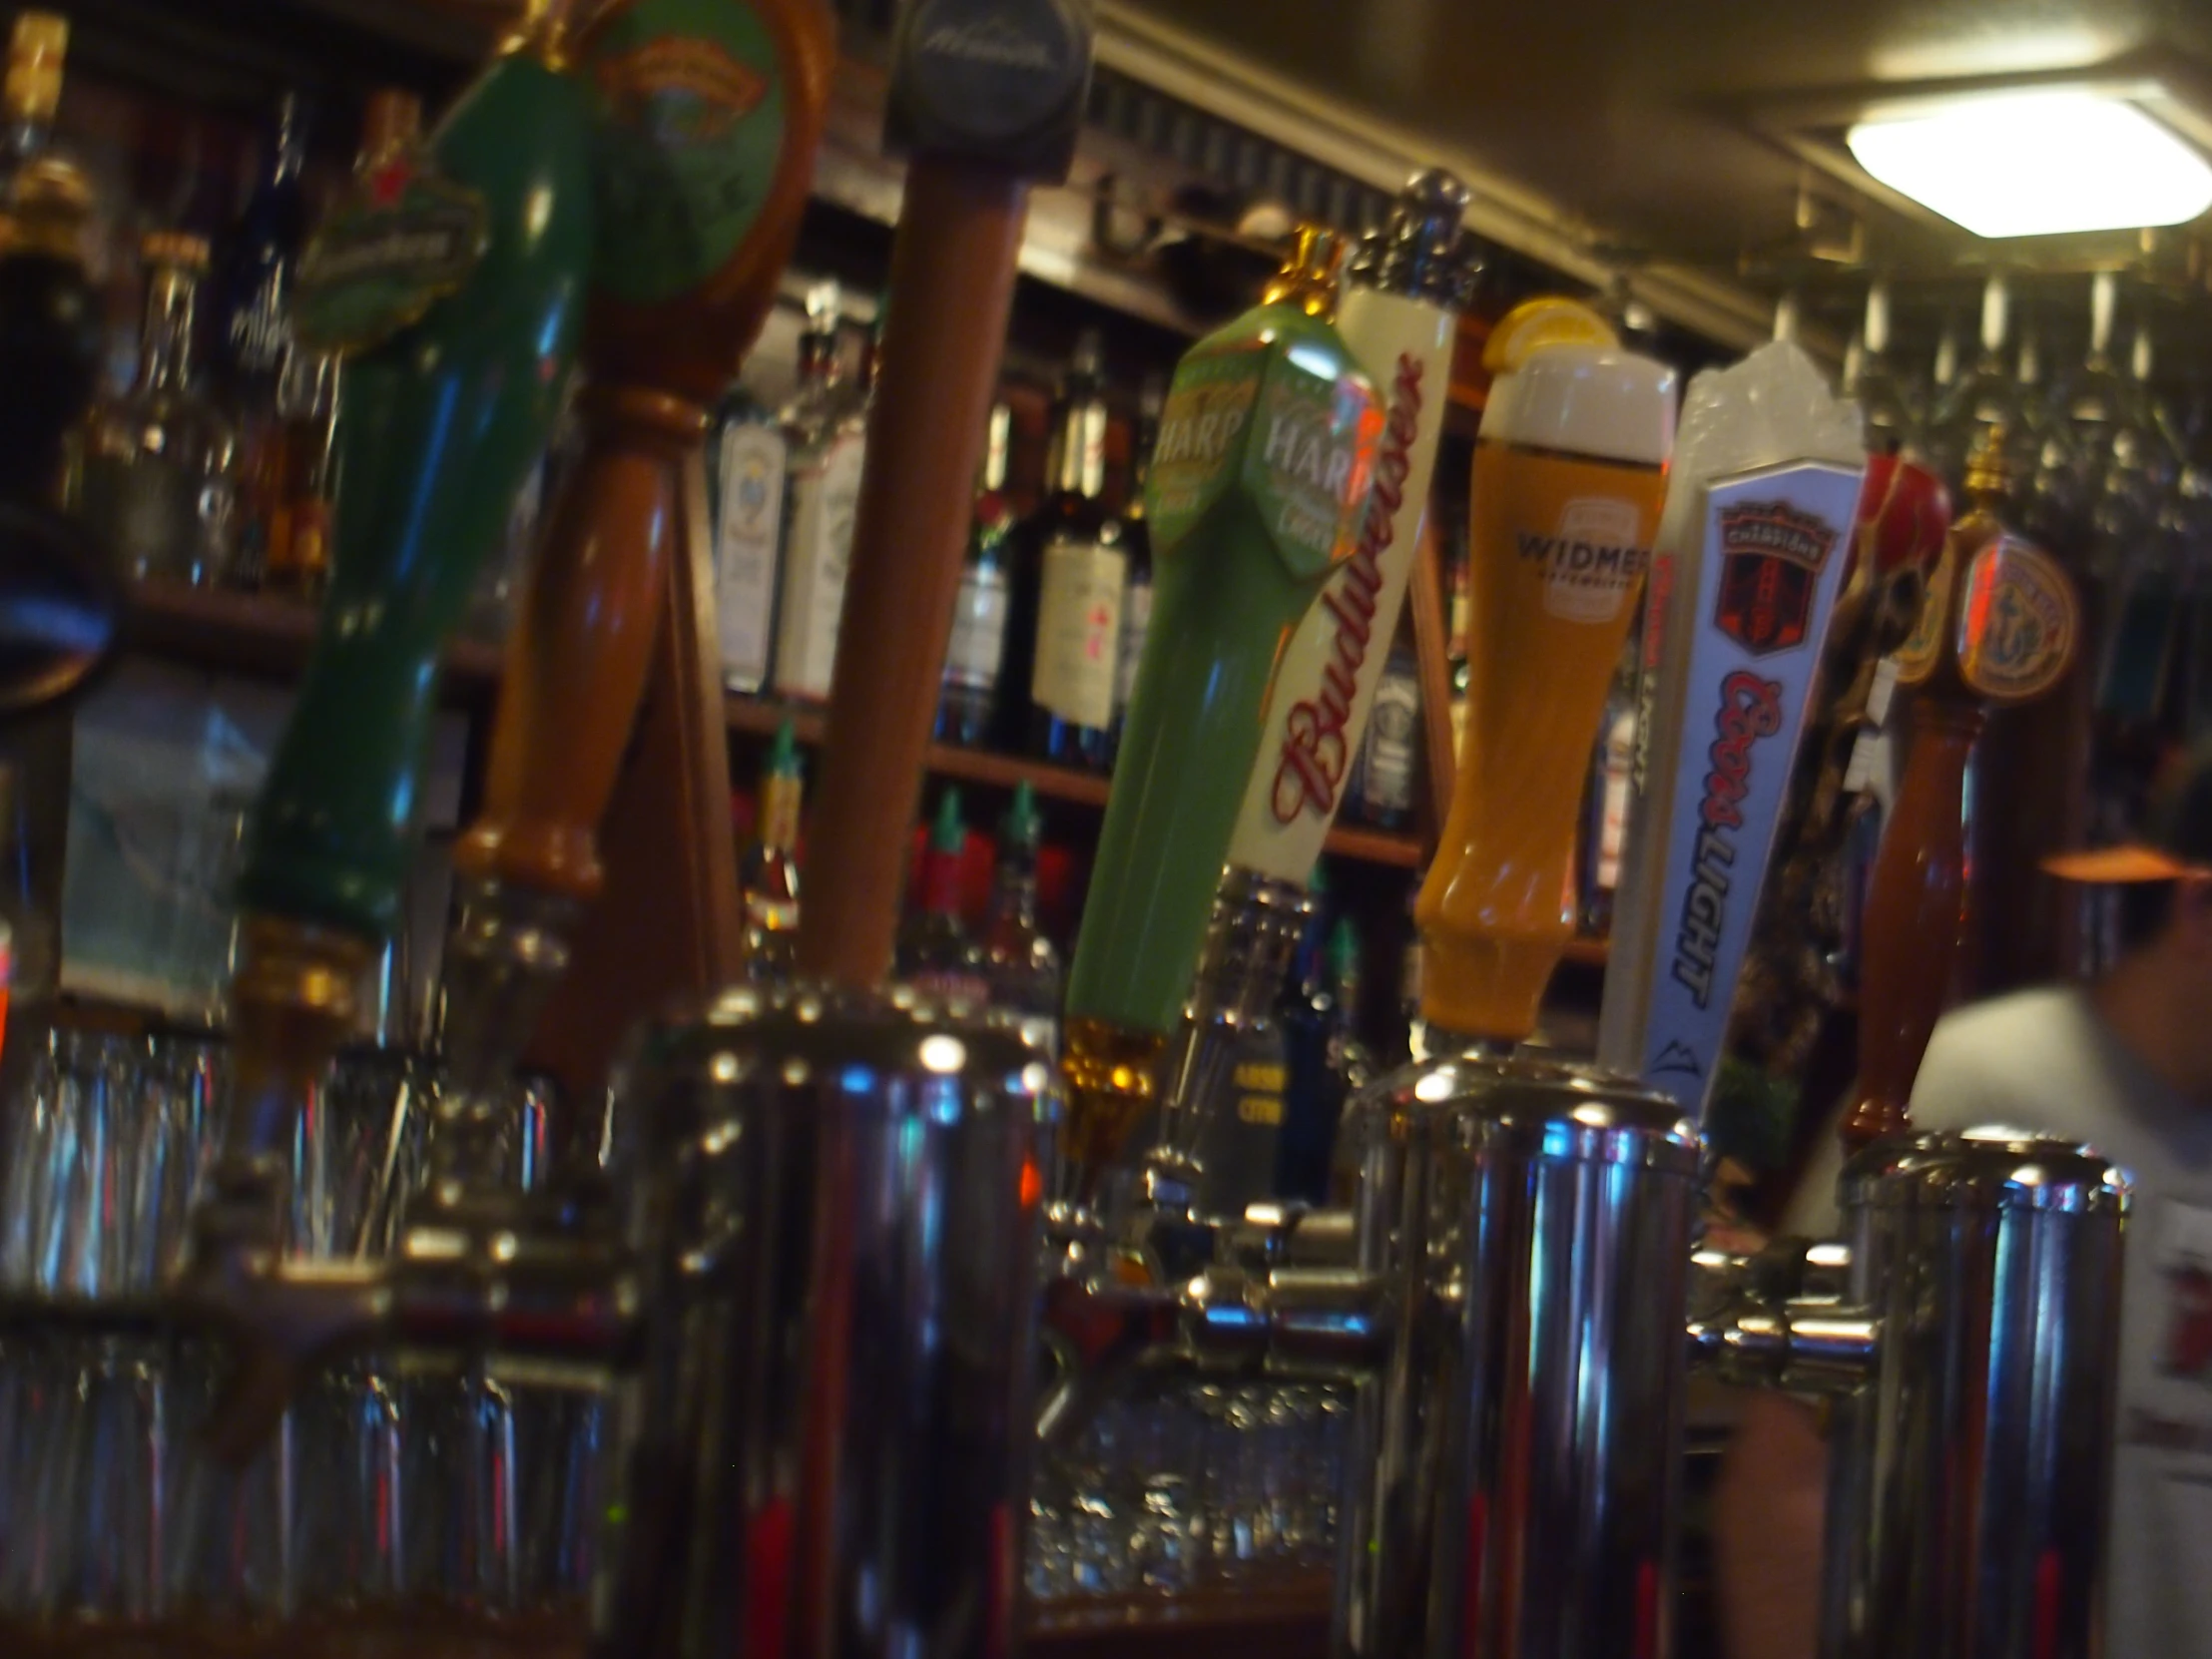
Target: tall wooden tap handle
<point x="712" y="117"/>
<point x="577" y="661"/>
<point x="979" y="127"/>
<point x="952" y="283"/>
<point x="1912" y="916"/>
<point x="1997" y="627"/>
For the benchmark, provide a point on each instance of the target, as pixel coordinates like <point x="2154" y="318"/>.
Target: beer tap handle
<point x="698" y="217"/>
<point x="1998" y="628"/>
<point x="577" y="662"/>
<point x="1913" y="910"/>
<point x="453" y="281"/>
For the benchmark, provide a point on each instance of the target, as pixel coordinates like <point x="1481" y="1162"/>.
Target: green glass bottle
<point x="1256" y="493"/>
<point x="454" y="280"/>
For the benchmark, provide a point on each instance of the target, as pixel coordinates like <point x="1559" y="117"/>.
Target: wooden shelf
<point x="263" y="636"/>
<point x="758" y="718"/>
<point x="1287" y="1620"/>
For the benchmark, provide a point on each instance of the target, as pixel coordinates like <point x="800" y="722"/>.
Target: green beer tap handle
<point x="442" y="417"/>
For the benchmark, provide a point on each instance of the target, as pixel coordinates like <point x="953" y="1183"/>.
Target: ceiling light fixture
<point x="2036" y="162"/>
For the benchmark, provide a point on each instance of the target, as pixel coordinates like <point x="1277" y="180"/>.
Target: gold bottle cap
<point x="542" y="32"/>
<point x="393" y="117"/>
<point x="174" y="248"/>
<point x="1990" y="467"/>
<point x="49" y="206"/>
<point x="1308" y="279"/>
<point x="35" y="55"/>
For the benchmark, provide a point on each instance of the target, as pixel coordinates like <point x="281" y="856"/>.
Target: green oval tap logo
<point x="689" y="135"/>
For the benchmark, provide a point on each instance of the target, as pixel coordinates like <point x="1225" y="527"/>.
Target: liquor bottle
<point x="1070" y="576"/>
<point x="1256" y="492"/>
<point x="768" y="869"/>
<point x="748" y="460"/>
<point x="1390" y="754"/>
<point x="969" y="708"/>
<point x="37" y="50"/>
<point x="1605" y="805"/>
<point x="824" y="430"/>
<point x="934" y="951"/>
<point x="1241" y="1145"/>
<point x="1136" y="542"/>
<point x="1019" y="965"/>
<point x="252" y="287"/>
<point x="159" y="480"/>
<point x="300" y="477"/>
<point x="1314" y="1018"/>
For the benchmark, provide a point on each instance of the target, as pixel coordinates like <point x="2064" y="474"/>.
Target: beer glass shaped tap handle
<point x="1997" y="627"/>
<point x="710" y="112"/>
<point x="1569" y="476"/>
<point x="453" y="280"/>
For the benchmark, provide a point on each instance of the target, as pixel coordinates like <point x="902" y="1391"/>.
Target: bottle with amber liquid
<point x="293" y="481"/>
<point x="768" y="869"/>
<point x="1071" y="571"/>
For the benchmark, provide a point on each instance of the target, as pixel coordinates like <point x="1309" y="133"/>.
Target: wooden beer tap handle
<point x="952" y="284"/>
<point x="1914" y="906"/>
<point x="577" y="660"/>
<point x="979" y="130"/>
<point x="1998" y="628"/>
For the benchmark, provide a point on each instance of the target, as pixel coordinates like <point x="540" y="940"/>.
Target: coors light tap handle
<point x="454" y="280"/>
<point x="1256" y="495"/>
<point x="710" y="114"/>
<point x="1570" y="473"/>
<point x="1999" y="627"/>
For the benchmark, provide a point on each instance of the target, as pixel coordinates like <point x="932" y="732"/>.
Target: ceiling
<point x="1635" y="122"/>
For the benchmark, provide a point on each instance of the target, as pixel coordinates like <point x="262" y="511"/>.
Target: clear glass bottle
<point x="1388" y="767"/>
<point x="1070" y="577"/>
<point x="1019" y="965"/>
<point x="158" y="479"/>
<point x="768" y="869"/>
<point x="1136" y="542"/>
<point x="935" y="953"/>
<point x="253" y="293"/>
<point x="826" y="434"/>
<point x="976" y="652"/>
<point x="747" y="462"/>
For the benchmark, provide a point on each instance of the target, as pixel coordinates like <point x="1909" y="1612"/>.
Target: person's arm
<point x="1766" y="1513"/>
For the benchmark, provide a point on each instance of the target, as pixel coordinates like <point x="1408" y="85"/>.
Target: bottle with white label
<point x="1605" y="805"/>
<point x="745" y="464"/>
<point x="1136" y="541"/>
<point x="977" y="649"/>
<point x="826" y="434"/>
<point x="1390" y="754"/>
<point x="1071" y="572"/>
